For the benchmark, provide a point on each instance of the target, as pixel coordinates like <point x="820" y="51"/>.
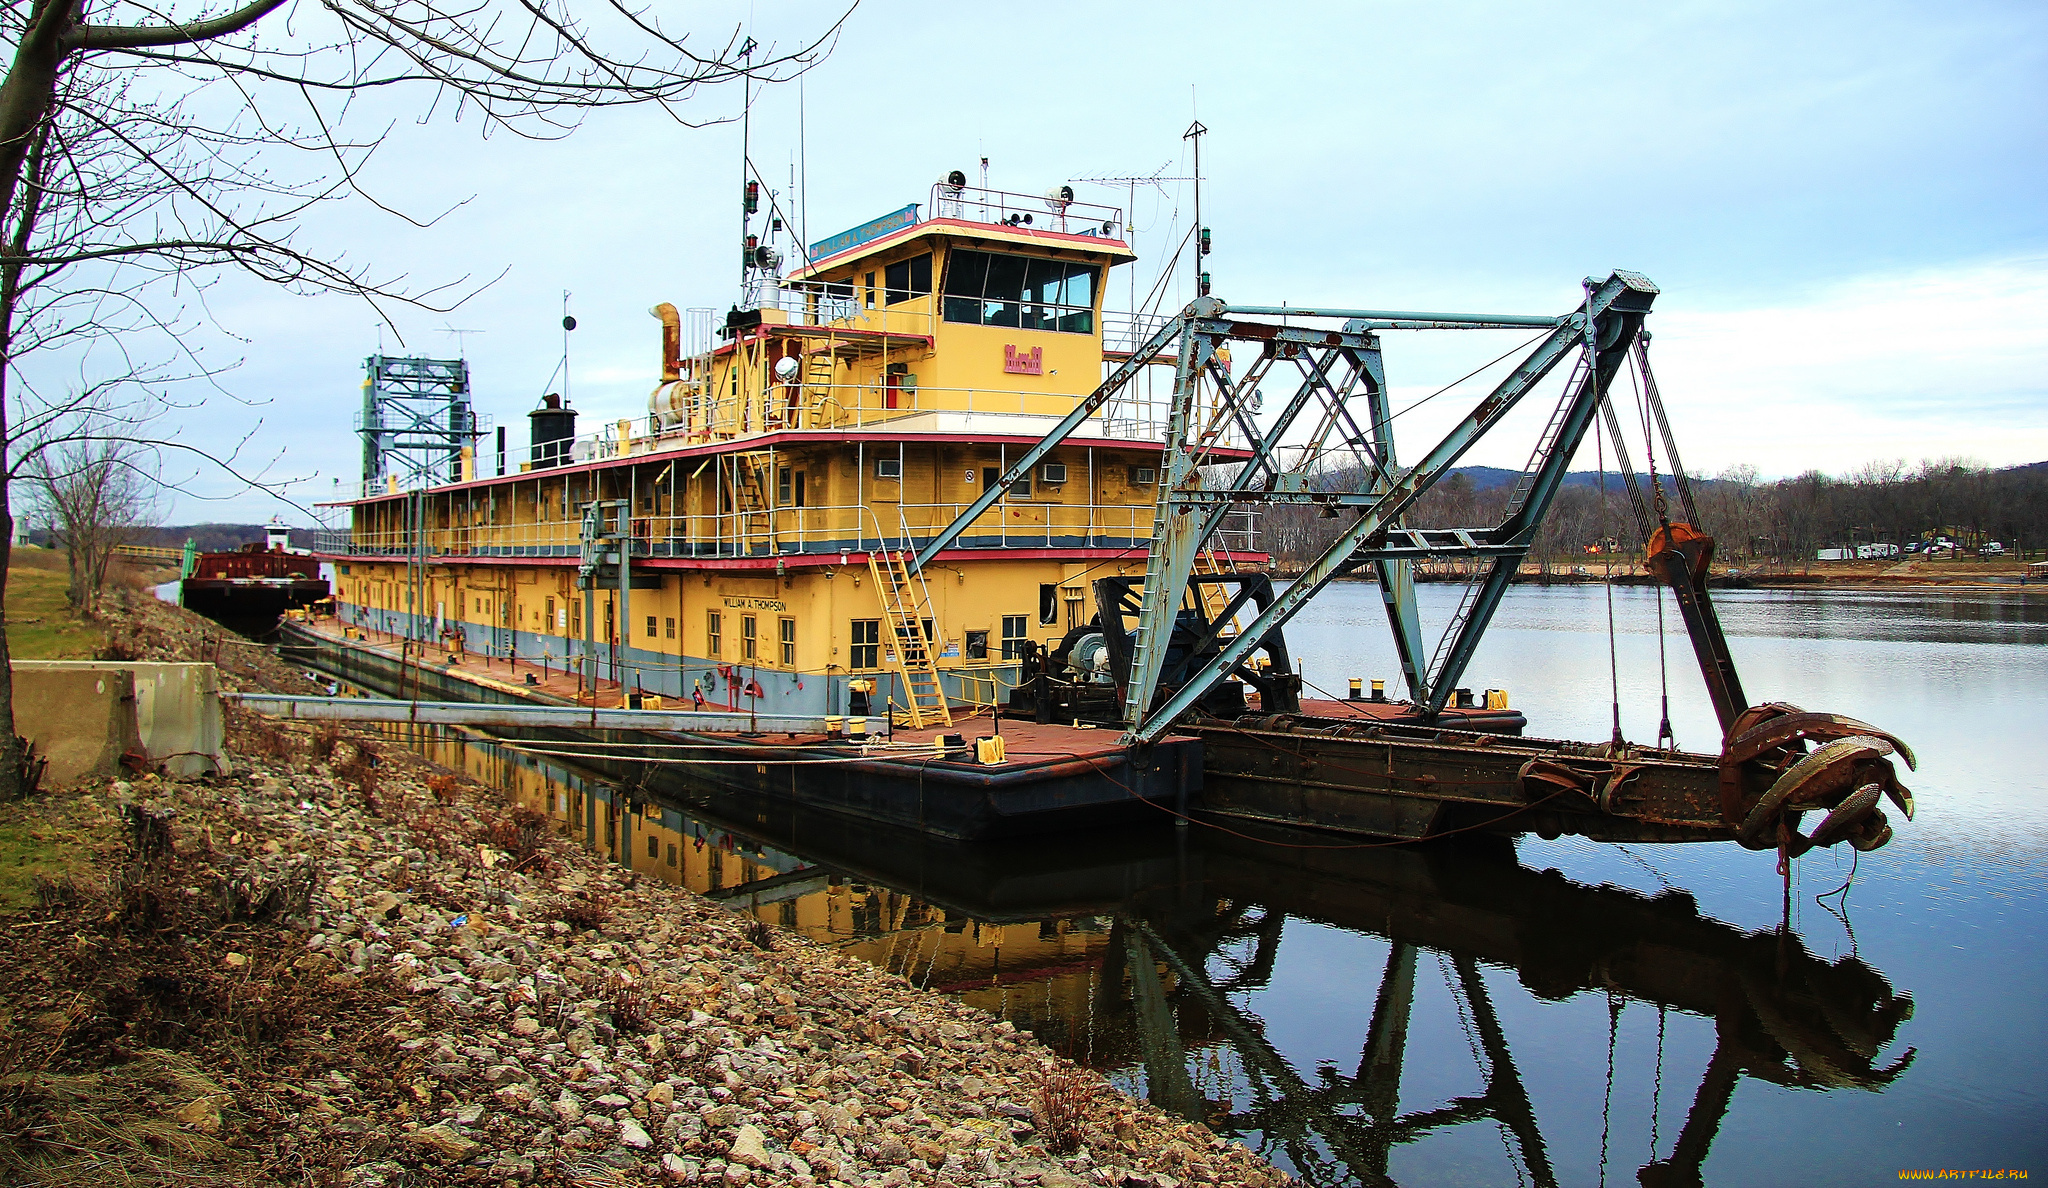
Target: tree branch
<point x="115" y="37"/>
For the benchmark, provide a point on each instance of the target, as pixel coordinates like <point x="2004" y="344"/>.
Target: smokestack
<point x="554" y="431"/>
<point x="671" y="342"/>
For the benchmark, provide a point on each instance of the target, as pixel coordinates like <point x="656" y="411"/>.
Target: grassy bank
<point x="39" y="623"/>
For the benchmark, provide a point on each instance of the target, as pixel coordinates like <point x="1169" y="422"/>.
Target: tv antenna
<point x="1157" y="179"/>
<point x="457" y="333"/>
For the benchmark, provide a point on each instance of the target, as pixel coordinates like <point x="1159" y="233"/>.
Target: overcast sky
<point x="1842" y="204"/>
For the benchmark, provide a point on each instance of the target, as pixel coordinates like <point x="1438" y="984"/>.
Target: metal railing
<point x="1035" y="212"/>
<point x="788" y="407"/>
<point x="776" y="531"/>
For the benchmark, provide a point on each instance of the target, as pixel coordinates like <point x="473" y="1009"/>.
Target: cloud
<point x="1921" y="363"/>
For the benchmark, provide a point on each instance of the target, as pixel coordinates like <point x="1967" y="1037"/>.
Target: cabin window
<point x="977" y="645"/>
<point x="749" y="638"/>
<point x="1013" y="636"/>
<point x="1020" y="489"/>
<point x="669" y="628"/>
<point x="907" y="279"/>
<point x="671" y="853"/>
<point x="867" y="644"/>
<point x="868" y="284"/>
<point x="789" y="487"/>
<point x="712" y="634"/>
<point x="650" y="627"/>
<point x="786" y="636"/>
<point x="1023" y="292"/>
<point x="550" y="622"/>
<point x="654" y="847"/>
<point x="1048" y="604"/>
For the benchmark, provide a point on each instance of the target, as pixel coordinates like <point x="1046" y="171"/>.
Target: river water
<point x="1546" y="1013"/>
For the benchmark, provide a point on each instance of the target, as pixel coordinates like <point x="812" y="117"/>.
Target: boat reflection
<point x="1146" y="954"/>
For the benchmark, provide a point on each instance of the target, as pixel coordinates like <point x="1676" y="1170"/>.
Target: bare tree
<point x="94" y="492"/>
<point x="142" y="150"/>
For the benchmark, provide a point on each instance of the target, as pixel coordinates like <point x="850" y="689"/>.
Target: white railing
<point x="1036" y="212"/>
<point x="783" y="531"/>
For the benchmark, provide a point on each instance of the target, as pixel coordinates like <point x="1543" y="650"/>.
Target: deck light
<point x="1202" y="286"/>
<point x="1205" y="241"/>
<point x="753" y="196"/>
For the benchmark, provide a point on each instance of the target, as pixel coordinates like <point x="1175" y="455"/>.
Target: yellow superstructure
<point x="858" y="406"/>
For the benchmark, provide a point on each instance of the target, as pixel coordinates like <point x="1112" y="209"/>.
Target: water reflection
<point x="1354" y="1013"/>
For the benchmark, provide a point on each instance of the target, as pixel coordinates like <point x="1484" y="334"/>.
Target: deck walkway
<point x="1026" y="743"/>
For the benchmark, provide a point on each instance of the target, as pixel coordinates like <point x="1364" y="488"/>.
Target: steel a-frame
<point x="1339" y="401"/>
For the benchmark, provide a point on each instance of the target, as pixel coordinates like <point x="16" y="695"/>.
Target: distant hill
<point x="215" y="538"/>
<point x="1485" y="478"/>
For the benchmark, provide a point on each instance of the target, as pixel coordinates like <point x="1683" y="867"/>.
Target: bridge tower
<point x="416" y="420"/>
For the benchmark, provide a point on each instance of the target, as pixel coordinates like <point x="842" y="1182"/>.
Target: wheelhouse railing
<point x="1038" y="212"/>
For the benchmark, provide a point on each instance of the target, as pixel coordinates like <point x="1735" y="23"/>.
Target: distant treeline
<point x="1785" y="521"/>
<point x="211" y="538"/>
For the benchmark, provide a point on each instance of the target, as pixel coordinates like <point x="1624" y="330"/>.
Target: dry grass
<point x="586" y="912"/>
<point x="627" y="1003"/>
<point x="1065" y="1096"/>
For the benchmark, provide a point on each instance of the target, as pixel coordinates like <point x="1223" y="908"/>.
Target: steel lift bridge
<point x="1338" y="412"/>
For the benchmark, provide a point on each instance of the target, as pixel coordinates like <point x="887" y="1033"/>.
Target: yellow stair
<point x="822" y="369"/>
<point x="902" y="603"/>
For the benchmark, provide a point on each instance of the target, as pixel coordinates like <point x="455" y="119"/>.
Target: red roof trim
<point x="799" y="560"/>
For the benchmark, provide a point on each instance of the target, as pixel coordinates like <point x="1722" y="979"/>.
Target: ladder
<point x="904" y="598"/>
<point x="821" y="367"/>
<point x="1517" y="498"/>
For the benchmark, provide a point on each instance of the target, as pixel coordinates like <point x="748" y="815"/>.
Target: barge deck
<point x="1045" y="777"/>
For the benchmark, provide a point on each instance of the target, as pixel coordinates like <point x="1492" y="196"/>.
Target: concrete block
<point x="81" y="720"/>
<point x="173" y="714"/>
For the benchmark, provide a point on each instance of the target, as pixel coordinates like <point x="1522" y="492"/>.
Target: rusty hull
<point x="1406" y="781"/>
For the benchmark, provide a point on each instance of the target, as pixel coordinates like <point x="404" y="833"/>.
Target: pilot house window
<point x="907" y="279"/>
<point x="1024" y="292"/>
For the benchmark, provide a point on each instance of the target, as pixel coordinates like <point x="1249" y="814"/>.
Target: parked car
<point x="1994" y="549"/>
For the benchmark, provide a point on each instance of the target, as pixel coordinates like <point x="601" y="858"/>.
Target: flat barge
<point x="937" y="779"/>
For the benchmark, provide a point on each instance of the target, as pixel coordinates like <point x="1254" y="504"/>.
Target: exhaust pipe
<point x="671" y="341"/>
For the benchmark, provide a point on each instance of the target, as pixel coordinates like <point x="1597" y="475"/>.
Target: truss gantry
<point x="1338" y="410"/>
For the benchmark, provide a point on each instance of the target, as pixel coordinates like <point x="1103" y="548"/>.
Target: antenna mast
<point x="1195" y="133"/>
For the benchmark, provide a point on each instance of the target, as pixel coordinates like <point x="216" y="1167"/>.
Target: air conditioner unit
<point x="889" y="468"/>
<point x="1144" y="476"/>
<point x="1053" y="472"/>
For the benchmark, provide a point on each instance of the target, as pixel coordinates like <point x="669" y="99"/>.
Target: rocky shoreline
<point x="341" y="965"/>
